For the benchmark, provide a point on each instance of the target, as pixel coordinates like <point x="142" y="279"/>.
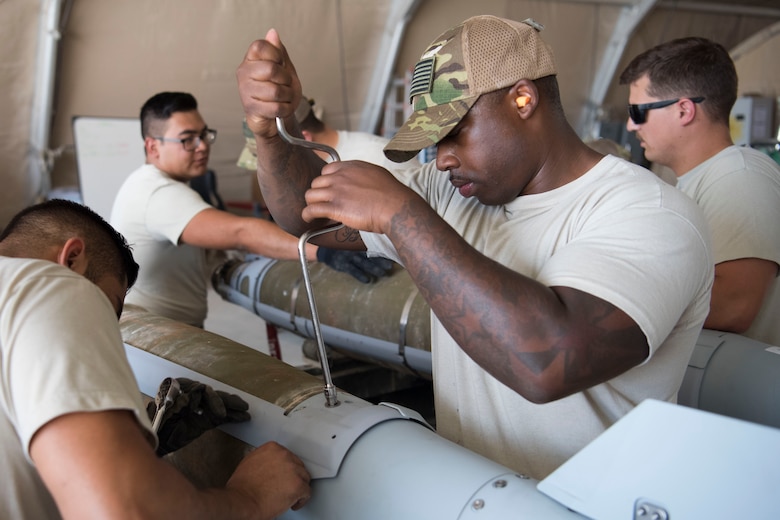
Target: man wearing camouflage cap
<point x="566" y="286"/>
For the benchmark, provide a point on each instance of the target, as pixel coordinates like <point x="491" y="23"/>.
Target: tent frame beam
<point x="49" y="35"/>
<point x="398" y="19"/>
<point x="630" y="17"/>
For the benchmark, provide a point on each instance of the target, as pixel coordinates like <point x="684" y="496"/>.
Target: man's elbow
<point x="734" y="320"/>
<point x="544" y="392"/>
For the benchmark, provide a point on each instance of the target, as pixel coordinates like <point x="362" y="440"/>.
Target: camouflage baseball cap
<point x="248" y="157"/>
<point x="482" y="54"/>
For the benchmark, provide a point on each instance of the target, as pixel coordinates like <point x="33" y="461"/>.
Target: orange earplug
<point x="522" y="101"/>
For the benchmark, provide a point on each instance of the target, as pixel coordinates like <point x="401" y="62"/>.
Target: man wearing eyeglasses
<point x="170" y="226"/>
<point x="681" y="95"/>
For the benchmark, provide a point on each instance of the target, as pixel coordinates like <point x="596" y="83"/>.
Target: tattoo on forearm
<point x="591" y="341"/>
<point x="290" y="186"/>
<point x="347" y="235"/>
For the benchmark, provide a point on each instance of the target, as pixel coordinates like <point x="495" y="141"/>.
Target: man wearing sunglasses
<point x="680" y="99"/>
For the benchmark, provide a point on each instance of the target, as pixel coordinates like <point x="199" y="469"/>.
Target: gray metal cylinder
<point x="401" y="470"/>
<point x="220" y="358"/>
<point x="387" y="321"/>
<point x="368" y="461"/>
<point x="733" y="375"/>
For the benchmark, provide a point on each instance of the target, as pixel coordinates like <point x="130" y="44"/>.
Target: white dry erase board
<point x="108" y="149"/>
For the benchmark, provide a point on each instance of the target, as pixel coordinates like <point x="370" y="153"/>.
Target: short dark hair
<point x="549" y="90"/>
<point x="162" y="106"/>
<point x="311" y="123"/>
<point x="53" y="222"/>
<point x="689" y="67"/>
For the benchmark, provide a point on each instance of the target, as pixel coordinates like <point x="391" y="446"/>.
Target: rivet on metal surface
<point x="500" y="483"/>
<point x="478" y="504"/>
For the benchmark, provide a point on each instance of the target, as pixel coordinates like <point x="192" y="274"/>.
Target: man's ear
<point x="525" y="97"/>
<point x="687" y="111"/>
<point x="73" y="255"/>
<point x="151" y="145"/>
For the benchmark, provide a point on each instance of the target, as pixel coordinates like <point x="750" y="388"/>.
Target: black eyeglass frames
<point x="638" y="113"/>
<point x="208" y="136"/>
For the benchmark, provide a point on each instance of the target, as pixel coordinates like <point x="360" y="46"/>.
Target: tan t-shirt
<point x="739" y="192"/>
<point x="62" y="352"/>
<point x="151" y="210"/>
<point x="619" y="233"/>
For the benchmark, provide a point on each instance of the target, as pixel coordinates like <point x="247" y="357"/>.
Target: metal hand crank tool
<point x="331" y="399"/>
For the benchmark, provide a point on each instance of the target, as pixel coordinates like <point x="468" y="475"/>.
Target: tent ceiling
<point x="727" y="6"/>
<point x="729" y="23"/>
<point x="710" y="6"/>
<point x="110" y="56"/>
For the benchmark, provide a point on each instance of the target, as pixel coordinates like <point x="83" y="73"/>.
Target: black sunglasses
<point x="638" y="113"/>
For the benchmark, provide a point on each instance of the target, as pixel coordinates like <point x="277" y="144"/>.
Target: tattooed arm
<point x="543" y="342"/>
<point x="269" y="87"/>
